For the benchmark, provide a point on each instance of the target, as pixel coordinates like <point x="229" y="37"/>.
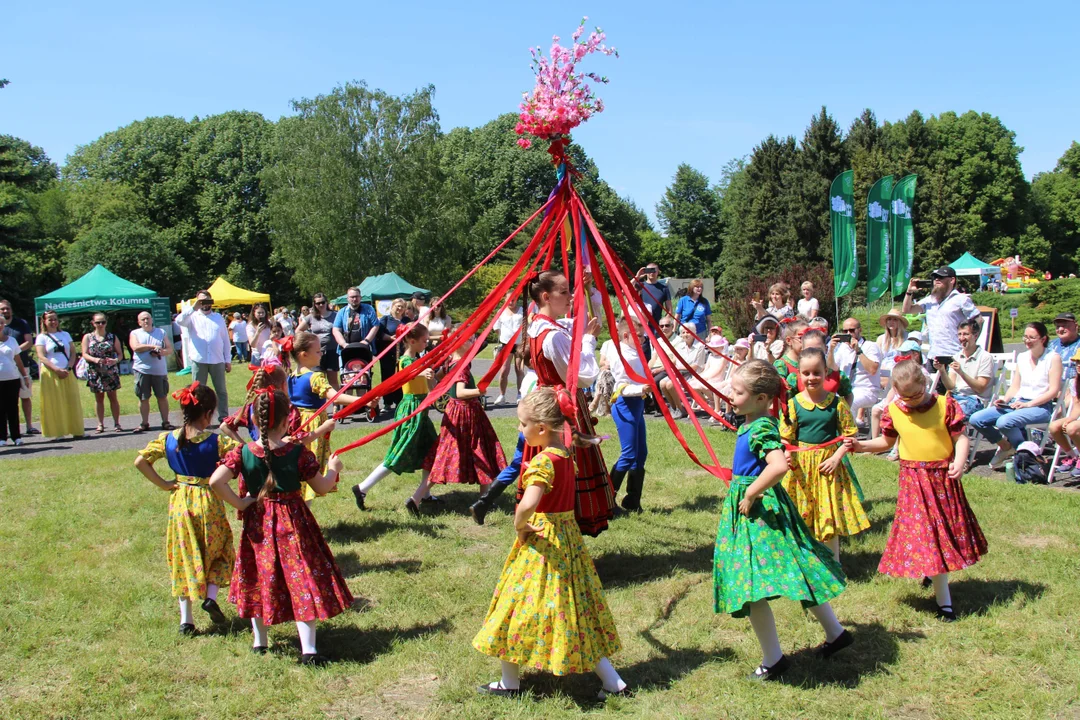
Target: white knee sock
<point x="258" y="630"/>
<point x="211" y="591"/>
<point x="376" y="475"/>
<point x="185" y="612"/>
<point x="941" y="590"/>
<point x="824" y="614"/>
<point x="761" y="619"/>
<point x="609" y="676"/>
<point x="307" y="636"/>
<point x="423" y="489"/>
<point x="511" y="676"/>
<point x="833" y="544"/>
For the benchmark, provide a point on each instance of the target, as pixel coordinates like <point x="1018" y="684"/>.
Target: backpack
<point x="1029" y="468"/>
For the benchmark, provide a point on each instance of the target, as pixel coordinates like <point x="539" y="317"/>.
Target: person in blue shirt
<point x="694" y="309"/>
<point x="1066" y="344"/>
<point x="357" y="322"/>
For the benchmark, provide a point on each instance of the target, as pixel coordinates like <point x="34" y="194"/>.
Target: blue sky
<point x="696" y="82"/>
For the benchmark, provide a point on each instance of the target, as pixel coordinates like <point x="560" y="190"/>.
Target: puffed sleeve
<point x="308" y="465"/>
<point x="540" y="471"/>
<point x="789" y="424"/>
<point x="320" y="385"/>
<point x="234" y="460"/>
<point x="954" y="416"/>
<point x="155" y="449"/>
<point x="765" y="437"/>
<point x="237" y="420"/>
<point x="887" y="427"/>
<point x="226" y="445"/>
<point x="845" y="384"/>
<point x="844" y="420"/>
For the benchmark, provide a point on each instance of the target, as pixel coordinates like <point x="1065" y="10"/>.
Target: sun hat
<point x="760" y="329"/>
<point x="908" y="346"/>
<point x="742" y="343"/>
<point x="894" y="313"/>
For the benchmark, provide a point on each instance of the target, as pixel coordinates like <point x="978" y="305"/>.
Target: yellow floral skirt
<point x="61" y="405"/>
<point x="549" y="612"/>
<point x="320" y="447"/>
<point x="199" y="540"/>
<point x="829" y="504"/>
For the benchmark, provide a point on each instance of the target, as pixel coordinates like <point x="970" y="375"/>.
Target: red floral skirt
<point x="934" y="530"/>
<point x="284" y="568"/>
<point x="468" y="451"/>
<point x="595" y="497"/>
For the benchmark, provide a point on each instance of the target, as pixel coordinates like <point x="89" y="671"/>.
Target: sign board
<point x="162" y="313"/>
<point x="1014" y="312"/>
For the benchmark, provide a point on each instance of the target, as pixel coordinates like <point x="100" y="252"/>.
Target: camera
<point x="924" y="284"/>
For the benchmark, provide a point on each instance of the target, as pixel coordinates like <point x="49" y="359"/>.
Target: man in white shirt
<point x="945" y="308"/>
<point x="209" y="350"/>
<point x="238" y="328"/>
<point x="861" y="360"/>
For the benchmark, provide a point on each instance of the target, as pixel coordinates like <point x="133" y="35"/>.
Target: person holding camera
<point x="656" y="296"/>
<point x="945" y="308"/>
<point x="860" y="360"/>
<point x="150" y="346"/>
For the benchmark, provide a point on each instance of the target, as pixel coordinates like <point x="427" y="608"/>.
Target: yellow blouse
<point x="924" y="436"/>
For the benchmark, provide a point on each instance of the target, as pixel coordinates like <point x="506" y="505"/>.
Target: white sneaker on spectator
<point x="17" y="442"/>
<point x="1000" y="456"/>
<point x="3" y="443"/>
<point x="499" y="400"/>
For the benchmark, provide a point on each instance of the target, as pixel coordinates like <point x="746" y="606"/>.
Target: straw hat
<point x="894" y="313"/>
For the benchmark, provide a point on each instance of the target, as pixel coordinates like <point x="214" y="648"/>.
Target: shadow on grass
<point x="859" y="565"/>
<point x="26" y="450"/>
<point x="702" y="503"/>
<point x="976" y="596"/>
<point x="455" y="502"/>
<point x="234" y="626"/>
<point x="348" y="643"/>
<point x="876" y="648"/>
<point x="348" y="531"/>
<point x="351" y="565"/>
<point x="622" y="569"/>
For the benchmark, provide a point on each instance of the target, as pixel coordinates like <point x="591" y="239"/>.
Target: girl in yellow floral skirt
<point x="198" y="541"/>
<point x="821" y="481"/>
<point x="549" y="612"/>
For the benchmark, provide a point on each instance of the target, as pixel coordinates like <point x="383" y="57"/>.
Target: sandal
<point x="166" y="426"/>
<point x="143" y="427"/>
<point x="117" y="428"/>
<point x="100" y="430"/>
<point x="498" y="690"/>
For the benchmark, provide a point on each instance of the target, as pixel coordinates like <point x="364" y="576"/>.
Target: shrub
<point x="733" y="303"/>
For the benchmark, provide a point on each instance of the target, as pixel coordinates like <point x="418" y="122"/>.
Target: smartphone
<point x="758" y="337"/>
<point x="944" y="360"/>
<point x="842" y="338"/>
<point x="1001" y="402"/>
<point x="757" y="296"/>
<point x="924" y="284"/>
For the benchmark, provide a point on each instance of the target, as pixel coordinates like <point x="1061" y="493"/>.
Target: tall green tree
<point x="135" y="251"/>
<point x="821" y="158"/>
<point x="1055" y="200"/>
<point x="689" y="212"/>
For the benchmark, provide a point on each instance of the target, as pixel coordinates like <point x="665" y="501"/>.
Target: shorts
<point x="26" y="391"/>
<point x="144" y="384"/>
<point x="330" y="361"/>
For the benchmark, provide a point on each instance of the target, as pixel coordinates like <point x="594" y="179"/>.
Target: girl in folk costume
<point x="284" y="569"/>
<point x="836" y="381"/>
<point x="269" y="374"/>
<point x="788" y="363"/>
<point x="308" y="390"/>
<point x="548" y="343"/>
<point x="412" y="446"/>
<point x="628" y="412"/>
<point x="468" y="450"/>
<point x="548" y="612"/>
<point x="198" y="540"/>
<point x="764" y="550"/>
<point x="934" y="532"/>
<point x="820" y="482"/>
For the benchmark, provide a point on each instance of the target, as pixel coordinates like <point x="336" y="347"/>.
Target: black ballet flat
<point x="498" y="691"/>
<point x="827" y="649"/>
<point x="765" y="674"/>
<point x="927" y="582"/>
<point x="212" y="609"/>
<point x="410" y="505"/>
<point x="432" y="499"/>
<point x="626" y="692"/>
<point x="187" y="629"/>
<point x="945" y="613"/>
<point x="359" y="495"/>
<point x="259" y="650"/>
<point x="314" y="660"/>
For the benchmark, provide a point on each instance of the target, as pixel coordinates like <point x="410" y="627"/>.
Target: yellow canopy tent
<point x="227" y="295"/>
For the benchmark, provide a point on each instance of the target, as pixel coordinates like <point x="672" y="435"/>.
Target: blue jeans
<point x="993" y="422"/>
<point x="242" y="351"/>
<point x="509" y="474"/>
<point x="970" y="404"/>
<point x="629" y="416"/>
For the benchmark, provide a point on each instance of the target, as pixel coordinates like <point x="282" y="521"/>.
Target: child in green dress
<point x="763" y="549"/>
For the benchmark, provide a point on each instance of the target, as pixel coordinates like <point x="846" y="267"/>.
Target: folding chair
<point x="1004" y="365"/>
<point x="1061" y="409"/>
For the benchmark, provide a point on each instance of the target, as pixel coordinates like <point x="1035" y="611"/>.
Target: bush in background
<point x="733" y="303"/>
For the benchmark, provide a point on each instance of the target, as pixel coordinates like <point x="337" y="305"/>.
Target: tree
<point x="135" y="252"/>
<point x="689" y="212"/>
<point x="671" y="253"/>
<point x="1055" y="201"/>
<point x="821" y="158"/>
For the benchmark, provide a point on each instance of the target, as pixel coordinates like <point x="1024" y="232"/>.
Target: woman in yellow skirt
<point x="198" y="541"/>
<point x="548" y="612"/>
<point x="820" y="481"/>
<point x="61" y="403"/>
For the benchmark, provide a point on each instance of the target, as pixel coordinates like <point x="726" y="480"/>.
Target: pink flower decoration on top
<point x="562" y="99"/>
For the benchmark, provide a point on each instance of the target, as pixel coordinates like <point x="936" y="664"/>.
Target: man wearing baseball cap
<point x="1066" y="344"/>
<point x="945" y="308"/>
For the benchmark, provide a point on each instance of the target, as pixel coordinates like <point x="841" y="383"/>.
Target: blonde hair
<point x="542" y="406"/>
<point x="760" y="377"/>
<point x="806" y="284"/>
<point x="792" y="329"/>
<point x="696" y="283"/>
<point x="781" y="288"/>
<point x="908" y="375"/>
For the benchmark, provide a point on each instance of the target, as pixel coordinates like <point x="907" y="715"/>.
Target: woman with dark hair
<point x="258" y="331"/>
<point x="61" y="405"/>
<point x="439" y="323"/>
<point x="320" y="322"/>
<point x="102" y="352"/>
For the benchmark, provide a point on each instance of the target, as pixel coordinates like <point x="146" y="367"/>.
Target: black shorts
<point x="330" y="362"/>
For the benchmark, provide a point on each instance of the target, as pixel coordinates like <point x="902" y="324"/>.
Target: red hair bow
<point x="566" y="403"/>
<point x="286" y="343"/>
<point x="785" y="321"/>
<point x="186" y="396"/>
<point x="902" y="358"/>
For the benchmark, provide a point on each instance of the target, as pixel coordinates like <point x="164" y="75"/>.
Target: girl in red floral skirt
<point x="934" y="532"/>
<point x="468" y="451"/>
<point x="284" y="569"/>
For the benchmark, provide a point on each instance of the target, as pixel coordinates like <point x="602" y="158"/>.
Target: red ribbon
<point x="819" y="446"/>
<point x="286" y="343"/>
<point x="186" y="396"/>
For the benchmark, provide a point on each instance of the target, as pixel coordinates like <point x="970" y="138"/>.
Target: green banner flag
<point x="842" y="223"/>
<point x="902" y="232"/>
<point x="877" y="238"/>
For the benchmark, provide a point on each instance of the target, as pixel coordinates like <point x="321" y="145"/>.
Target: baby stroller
<point x="354" y="358"/>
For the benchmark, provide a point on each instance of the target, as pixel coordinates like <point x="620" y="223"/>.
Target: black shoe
<point x="359" y="495"/>
<point x="945" y="613"/>
<point x="479" y="511"/>
<point x="827" y="649"/>
<point x="432" y="499"/>
<point x="617" y="480"/>
<point x="314" y="659"/>
<point x="499" y="691"/>
<point x="927" y="582"/>
<point x="187" y="629"/>
<point x="410" y="505"/>
<point x="764" y="674"/>
<point x="626" y="692"/>
<point x="259" y="650"/>
<point x="212" y="609"/>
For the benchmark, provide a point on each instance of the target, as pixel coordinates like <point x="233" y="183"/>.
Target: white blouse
<point x="55" y="353"/>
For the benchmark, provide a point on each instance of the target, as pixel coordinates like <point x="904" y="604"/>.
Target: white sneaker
<point x="3" y="443"/>
<point x="17" y="442"/>
<point x="1000" y="456"/>
<point x="499" y="400"/>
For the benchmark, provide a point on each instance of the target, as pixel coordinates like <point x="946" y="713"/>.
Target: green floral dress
<point x="413" y="443"/>
<point x="771" y="553"/>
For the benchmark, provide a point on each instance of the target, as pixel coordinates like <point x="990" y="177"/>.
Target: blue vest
<point x="194" y="459"/>
<point x="300" y="393"/>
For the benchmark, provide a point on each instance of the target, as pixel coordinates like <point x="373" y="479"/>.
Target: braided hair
<point x="536" y="285"/>
<point x="266" y="404"/>
<point x="205" y="402"/>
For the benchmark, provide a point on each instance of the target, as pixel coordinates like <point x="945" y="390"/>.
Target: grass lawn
<point x="90" y="628"/>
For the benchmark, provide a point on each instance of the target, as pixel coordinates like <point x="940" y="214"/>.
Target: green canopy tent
<point x="101" y="291"/>
<point x="388" y="286"/>
<point x="968" y="264"/>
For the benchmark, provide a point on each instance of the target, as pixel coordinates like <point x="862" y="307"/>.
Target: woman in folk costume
<point x="548" y="343"/>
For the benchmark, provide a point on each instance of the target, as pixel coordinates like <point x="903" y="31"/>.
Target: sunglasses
<point x="320" y="302"/>
<point x="99" y="322"/>
<point x="652" y="271"/>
